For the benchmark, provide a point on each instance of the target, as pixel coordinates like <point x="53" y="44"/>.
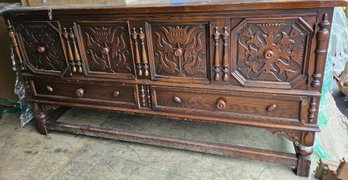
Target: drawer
<point x="236" y="104"/>
<point x="97" y="93"/>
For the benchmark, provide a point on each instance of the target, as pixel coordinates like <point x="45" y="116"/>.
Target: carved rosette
<point x="180" y="50"/>
<point x="272" y="51"/>
<point x="107" y="47"/>
<point x="42" y="46"/>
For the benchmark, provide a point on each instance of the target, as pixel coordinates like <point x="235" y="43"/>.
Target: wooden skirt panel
<point x="183" y="116"/>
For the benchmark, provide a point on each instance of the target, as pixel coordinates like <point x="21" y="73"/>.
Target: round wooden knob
<point x="221" y="104"/>
<point x="178" y="52"/>
<point x="269" y="54"/>
<point x="177" y="99"/>
<point x="40" y="49"/>
<point x="271" y="107"/>
<point x="115" y="93"/>
<point x="105" y="50"/>
<point x="79" y="92"/>
<point x="49" y="88"/>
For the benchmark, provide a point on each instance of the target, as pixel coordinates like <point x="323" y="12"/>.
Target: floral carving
<point x="180" y="50"/>
<point x="107" y="48"/>
<point x="271" y="52"/>
<point x="42" y="46"/>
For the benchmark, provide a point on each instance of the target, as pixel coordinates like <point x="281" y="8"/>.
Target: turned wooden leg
<point x="304" y="159"/>
<point x="41" y="119"/>
<point x="304" y="150"/>
<point x="45" y="113"/>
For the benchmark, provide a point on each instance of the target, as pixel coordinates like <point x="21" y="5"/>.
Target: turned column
<point x="304" y="150"/>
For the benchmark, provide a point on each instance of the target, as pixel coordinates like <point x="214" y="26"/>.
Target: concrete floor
<point x="25" y="154"/>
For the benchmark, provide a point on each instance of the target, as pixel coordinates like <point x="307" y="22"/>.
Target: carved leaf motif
<point x="107" y="48"/>
<point x="270" y="52"/>
<point x="180" y="50"/>
<point x="42" y="46"/>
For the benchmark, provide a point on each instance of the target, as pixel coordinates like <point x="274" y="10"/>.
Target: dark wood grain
<point x="196" y="101"/>
<point x="178" y="143"/>
<point x="252" y="63"/>
<point x="121" y="94"/>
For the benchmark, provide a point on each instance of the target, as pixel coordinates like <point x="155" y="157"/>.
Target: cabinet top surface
<point x="190" y="5"/>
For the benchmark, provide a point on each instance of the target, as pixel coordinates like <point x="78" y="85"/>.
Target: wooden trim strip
<point x="206" y="7"/>
<point x="178" y="143"/>
<point x="263" y="124"/>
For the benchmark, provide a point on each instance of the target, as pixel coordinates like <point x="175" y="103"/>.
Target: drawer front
<point x="192" y="101"/>
<point x="110" y="94"/>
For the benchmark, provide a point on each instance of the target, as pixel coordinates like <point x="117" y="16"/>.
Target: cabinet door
<point x="271" y="52"/>
<point x="106" y="49"/>
<point x="180" y="51"/>
<point x="42" y="47"/>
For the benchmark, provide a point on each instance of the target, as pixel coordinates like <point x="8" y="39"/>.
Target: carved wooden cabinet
<point x="250" y="63"/>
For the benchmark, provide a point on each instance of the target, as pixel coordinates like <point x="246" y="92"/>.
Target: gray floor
<point x="25" y="154"/>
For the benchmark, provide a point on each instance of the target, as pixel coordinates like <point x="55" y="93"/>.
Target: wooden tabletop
<point x="191" y="5"/>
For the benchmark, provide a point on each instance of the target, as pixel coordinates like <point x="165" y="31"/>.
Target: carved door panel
<point x="271" y="52"/>
<point x="106" y="48"/>
<point x="180" y="51"/>
<point x="41" y="47"/>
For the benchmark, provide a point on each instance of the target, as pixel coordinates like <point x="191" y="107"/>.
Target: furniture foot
<point x="304" y="159"/>
<point x="45" y="114"/>
<point x="41" y="119"/>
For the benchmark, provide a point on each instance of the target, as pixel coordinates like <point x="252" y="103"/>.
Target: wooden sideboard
<point x="247" y="62"/>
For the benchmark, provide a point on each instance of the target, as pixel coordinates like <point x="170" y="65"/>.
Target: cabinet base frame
<point x="50" y="123"/>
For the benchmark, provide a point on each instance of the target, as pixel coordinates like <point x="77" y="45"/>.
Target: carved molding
<point x="180" y="50"/>
<point x="293" y="136"/>
<point x="321" y="49"/>
<point x="302" y="140"/>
